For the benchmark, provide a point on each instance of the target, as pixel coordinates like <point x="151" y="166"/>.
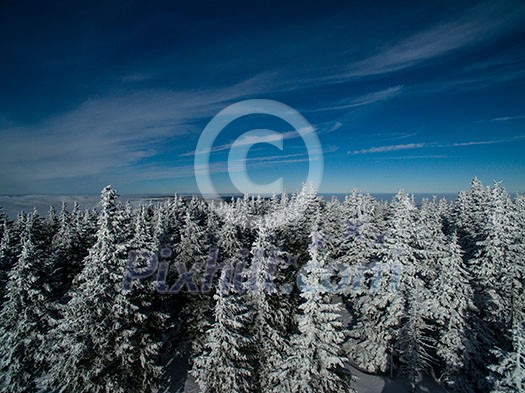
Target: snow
<point x="421" y="292"/>
<point x="366" y="383"/>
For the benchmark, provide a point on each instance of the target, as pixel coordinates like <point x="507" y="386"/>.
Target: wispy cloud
<point x="474" y="143"/>
<point x="250" y="140"/>
<point x="392" y="136"/>
<point x="489" y="142"/>
<point x="159" y="172"/>
<point x="388" y="148"/>
<point x="483" y="21"/>
<point x="507" y="118"/>
<point x="412" y="146"/>
<point x="413" y="157"/>
<point x="109" y="134"/>
<point x="365" y="99"/>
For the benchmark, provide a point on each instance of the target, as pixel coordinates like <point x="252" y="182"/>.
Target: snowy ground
<point x="376" y="384"/>
<point x="366" y="383"/>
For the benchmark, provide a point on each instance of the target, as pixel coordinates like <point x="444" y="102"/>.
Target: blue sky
<point x="407" y="95"/>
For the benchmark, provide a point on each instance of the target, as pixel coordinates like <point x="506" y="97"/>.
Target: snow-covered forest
<point x="278" y="294"/>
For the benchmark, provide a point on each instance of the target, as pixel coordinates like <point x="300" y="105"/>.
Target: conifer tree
<point x="388" y="282"/>
<point x="413" y="341"/>
<point x="359" y="240"/>
<point x="470" y="216"/>
<point x="517" y="258"/>
<point x="101" y="345"/>
<point x="67" y="255"/>
<point x="508" y="376"/>
<point x="24" y="319"/>
<point x="9" y="250"/>
<point x="452" y="308"/>
<point x="192" y="254"/>
<point x="225" y="364"/>
<point x="3" y="221"/>
<point x="315" y="362"/>
<point x="271" y="310"/>
<point x="492" y="267"/>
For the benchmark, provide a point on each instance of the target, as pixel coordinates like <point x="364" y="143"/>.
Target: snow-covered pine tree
<point x="271" y="310"/>
<point x="67" y="255"/>
<point x="143" y="293"/>
<point x="192" y="254"/>
<point x="100" y="345"/>
<point x="212" y="225"/>
<point x="388" y="280"/>
<point x="452" y="307"/>
<point x="315" y="362"/>
<point x="429" y="241"/>
<point x="414" y="342"/>
<point x="142" y="235"/>
<point x="9" y="251"/>
<point x="3" y="220"/>
<point x="492" y="267"/>
<point x="446" y="214"/>
<point x="333" y="220"/>
<point x="51" y="222"/>
<point x="517" y="255"/>
<point x="419" y="261"/>
<point x="193" y="246"/>
<point x="470" y="216"/>
<point x="225" y="364"/>
<point x="175" y="213"/>
<point x="508" y="376"/>
<point x="300" y="213"/>
<point x="358" y="240"/>
<point x="24" y="319"/>
<point x="86" y="224"/>
<point x="161" y="236"/>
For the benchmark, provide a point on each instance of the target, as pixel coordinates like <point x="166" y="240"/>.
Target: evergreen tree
<point x="192" y="254"/>
<point x="224" y="365"/>
<point x="51" y="222"/>
<point x="517" y="258"/>
<point x="493" y="273"/>
<point x="67" y="255"/>
<point x="315" y="362"/>
<point x="271" y="310"/>
<point x="413" y="341"/>
<point x="101" y="344"/>
<point x="429" y="241"/>
<point x="451" y="303"/>
<point x="388" y="282"/>
<point x="9" y="251"/>
<point x="358" y="239"/>
<point x="509" y="375"/>
<point x="470" y="216"/>
<point x="161" y="228"/>
<point x="3" y="222"/>
<point x="24" y="320"/>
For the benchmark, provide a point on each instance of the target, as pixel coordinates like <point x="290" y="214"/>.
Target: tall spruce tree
<point x="452" y="307"/>
<point x="225" y="364"/>
<point x="388" y="282"/>
<point x="101" y="344"/>
<point x="315" y="362"/>
<point x="24" y="319"/>
<point x="9" y="250"/>
<point x="270" y="310"/>
<point x="508" y="376"/>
